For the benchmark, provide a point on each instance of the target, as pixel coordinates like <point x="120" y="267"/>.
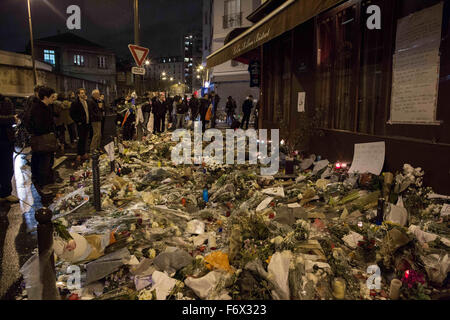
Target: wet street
<point x="18" y="235"/>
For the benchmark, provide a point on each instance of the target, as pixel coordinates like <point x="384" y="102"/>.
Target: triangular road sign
<point x="139" y="54"/>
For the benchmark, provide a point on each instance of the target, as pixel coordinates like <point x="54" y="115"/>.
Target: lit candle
<point x="394" y="293"/>
<point x="339" y="288"/>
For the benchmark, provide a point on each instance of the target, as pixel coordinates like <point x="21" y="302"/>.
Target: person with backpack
<point x="7" y="120"/>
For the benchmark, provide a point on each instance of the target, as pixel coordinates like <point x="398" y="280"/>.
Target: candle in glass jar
<point x="339" y="288"/>
<point x="394" y="292"/>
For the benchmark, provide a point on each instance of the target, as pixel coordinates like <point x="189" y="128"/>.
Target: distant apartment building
<point x="207" y="28"/>
<point x="166" y="67"/>
<point x="231" y="78"/>
<point x="192" y="58"/>
<point x="77" y="57"/>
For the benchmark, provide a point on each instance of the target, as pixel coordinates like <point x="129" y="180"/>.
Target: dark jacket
<point x="95" y="113"/>
<point x="194" y="104"/>
<point x="147" y="107"/>
<point x="6" y="120"/>
<point x="159" y="108"/>
<point x="247" y="106"/>
<point x="77" y="112"/>
<point x="204" y="105"/>
<point x="41" y="119"/>
<point x="180" y="107"/>
<point x="230" y="107"/>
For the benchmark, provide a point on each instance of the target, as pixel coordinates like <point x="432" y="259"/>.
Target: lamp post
<point x="32" y="43"/>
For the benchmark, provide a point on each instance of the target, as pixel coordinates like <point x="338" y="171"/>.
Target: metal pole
<point x="136" y="22"/>
<point x="46" y="256"/>
<point x="32" y="44"/>
<point x="96" y="181"/>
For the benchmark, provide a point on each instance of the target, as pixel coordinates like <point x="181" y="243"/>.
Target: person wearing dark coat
<point x="194" y="106"/>
<point x="79" y="112"/>
<point x="215" y="99"/>
<point x="42" y="123"/>
<point x="247" y="109"/>
<point x="230" y="107"/>
<point x="159" y="111"/>
<point x="96" y="115"/>
<point x="204" y="105"/>
<point x="7" y="120"/>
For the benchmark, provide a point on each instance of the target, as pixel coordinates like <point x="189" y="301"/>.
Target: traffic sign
<point x="139" y="53"/>
<point x="139" y="71"/>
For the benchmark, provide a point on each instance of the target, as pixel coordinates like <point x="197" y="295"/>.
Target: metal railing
<point x="232" y="20"/>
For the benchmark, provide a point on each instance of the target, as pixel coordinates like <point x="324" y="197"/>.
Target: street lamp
<point x="163" y="74"/>
<point x="171" y="79"/>
<point x="147" y="62"/>
<point x="32" y="43"/>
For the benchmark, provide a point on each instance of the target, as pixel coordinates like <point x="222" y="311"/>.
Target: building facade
<point x="207" y="29"/>
<point x="16" y="77"/>
<point x="362" y="84"/>
<point x="192" y="59"/>
<point x="232" y="77"/>
<point x="166" y="67"/>
<point x="74" y="56"/>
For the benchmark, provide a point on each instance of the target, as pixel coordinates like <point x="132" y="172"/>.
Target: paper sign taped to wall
<point x="368" y="157"/>
<point x="301" y="102"/>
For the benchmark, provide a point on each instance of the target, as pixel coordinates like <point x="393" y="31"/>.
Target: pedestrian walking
<point x="79" y="112"/>
<point x="7" y="120"/>
<point x="96" y="115"/>
<point x="43" y="141"/>
<point x="247" y="109"/>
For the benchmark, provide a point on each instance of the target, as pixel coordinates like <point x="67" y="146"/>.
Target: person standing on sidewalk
<point x="67" y="120"/>
<point x="79" y="111"/>
<point x="230" y="108"/>
<point x="42" y="124"/>
<point x="7" y="119"/>
<point x="247" y="109"/>
<point x="180" y="110"/>
<point x="96" y="115"/>
<point x="215" y="99"/>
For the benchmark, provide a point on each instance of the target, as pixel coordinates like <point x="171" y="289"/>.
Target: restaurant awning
<point x="285" y="18"/>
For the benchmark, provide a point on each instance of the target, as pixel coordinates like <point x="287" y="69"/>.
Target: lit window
<point x="49" y="57"/>
<point x="101" y="62"/>
<point x="78" y="60"/>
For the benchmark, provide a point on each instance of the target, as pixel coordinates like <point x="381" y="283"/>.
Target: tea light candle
<point x="394" y="293"/>
<point x="339" y="289"/>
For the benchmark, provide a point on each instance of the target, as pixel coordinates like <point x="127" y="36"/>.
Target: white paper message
<point x="368" y="158"/>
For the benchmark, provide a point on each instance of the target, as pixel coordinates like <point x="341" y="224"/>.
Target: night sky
<point x="106" y="22"/>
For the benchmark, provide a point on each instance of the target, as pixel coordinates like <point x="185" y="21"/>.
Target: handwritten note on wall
<point x="368" y="157"/>
<point x="416" y="67"/>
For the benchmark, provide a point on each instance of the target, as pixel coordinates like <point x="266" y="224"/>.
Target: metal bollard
<point x="96" y="178"/>
<point x="46" y="256"/>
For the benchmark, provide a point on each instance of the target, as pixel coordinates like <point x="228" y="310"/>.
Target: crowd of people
<point x="49" y="115"/>
<point x="156" y="113"/>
